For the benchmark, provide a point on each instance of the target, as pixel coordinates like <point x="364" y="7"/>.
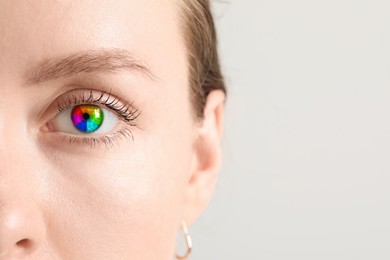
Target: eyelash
<point x="124" y="110"/>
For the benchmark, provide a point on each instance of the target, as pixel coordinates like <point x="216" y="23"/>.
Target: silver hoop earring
<point x="188" y="241"/>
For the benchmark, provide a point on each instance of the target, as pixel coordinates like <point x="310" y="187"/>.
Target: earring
<point x="188" y="241"/>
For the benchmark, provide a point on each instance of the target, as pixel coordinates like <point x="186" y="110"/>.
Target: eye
<point x="92" y="118"/>
<point x="85" y="119"/>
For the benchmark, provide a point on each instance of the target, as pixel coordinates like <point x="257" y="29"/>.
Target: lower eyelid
<point x="68" y="142"/>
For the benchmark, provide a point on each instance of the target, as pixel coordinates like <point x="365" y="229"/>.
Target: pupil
<point x="86" y="116"/>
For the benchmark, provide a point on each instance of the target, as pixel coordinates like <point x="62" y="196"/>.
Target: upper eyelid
<point x="73" y="99"/>
<point x="121" y="107"/>
<point x="78" y="96"/>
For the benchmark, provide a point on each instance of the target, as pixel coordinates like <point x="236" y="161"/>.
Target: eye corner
<point x="47" y="127"/>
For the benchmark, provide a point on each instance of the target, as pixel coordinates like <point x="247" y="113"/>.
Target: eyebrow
<point x="101" y="60"/>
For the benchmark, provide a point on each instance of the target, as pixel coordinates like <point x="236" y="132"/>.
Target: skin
<point x="67" y="200"/>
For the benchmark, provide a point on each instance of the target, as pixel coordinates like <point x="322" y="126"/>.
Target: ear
<point x="206" y="161"/>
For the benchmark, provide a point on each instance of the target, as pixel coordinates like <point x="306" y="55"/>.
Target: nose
<point x="22" y="226"/>
<point x="21" y="230"/>
<point x="20" y="233"/>
<point x="22" y="222"/>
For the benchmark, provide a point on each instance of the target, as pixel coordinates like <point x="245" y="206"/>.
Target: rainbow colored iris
<point x="87" y="118"/>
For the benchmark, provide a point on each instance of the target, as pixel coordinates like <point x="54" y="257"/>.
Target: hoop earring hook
<point x="188" y="241"/>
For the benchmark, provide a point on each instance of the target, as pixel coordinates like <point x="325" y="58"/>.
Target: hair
<point x="201" y="42"/>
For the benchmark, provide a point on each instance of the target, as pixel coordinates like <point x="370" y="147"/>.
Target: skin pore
<point x="121" y="193"/>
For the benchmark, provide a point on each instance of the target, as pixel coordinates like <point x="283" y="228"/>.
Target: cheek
<point x="127" y="200"/>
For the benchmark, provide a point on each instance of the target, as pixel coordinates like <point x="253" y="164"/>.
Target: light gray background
<point x="307" y="142"/>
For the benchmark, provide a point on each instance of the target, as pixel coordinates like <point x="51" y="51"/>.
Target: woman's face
<point x="113" y="183"/>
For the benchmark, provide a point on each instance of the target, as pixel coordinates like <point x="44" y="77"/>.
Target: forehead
<point x="31" y="31"/>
